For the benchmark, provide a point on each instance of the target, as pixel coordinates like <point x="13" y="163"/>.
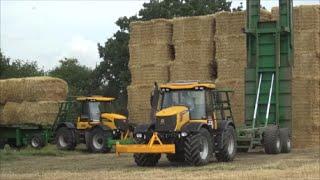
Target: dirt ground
<point x="52" y="164"/>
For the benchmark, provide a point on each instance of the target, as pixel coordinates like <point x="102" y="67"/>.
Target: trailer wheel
<point x="37" y="141"/>
<point x="198" y="148"/>
<point x="145" y="159"/>
<point x="228" y="151"/>
<point x="271" y="139"/>
<point x="98" y="140"/>
<point x="285" y="140"/>
<point x="65" y="139"/>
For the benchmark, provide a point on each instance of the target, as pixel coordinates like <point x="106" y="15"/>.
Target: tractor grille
<point x="166" y="123"/>
<point x="121" y="124"/>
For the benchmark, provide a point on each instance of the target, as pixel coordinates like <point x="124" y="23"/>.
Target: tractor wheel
<point x="178" y="157"/>
<point x="37" y="141"/>
<point x="65" y="139"/>
<point x="228" y="151"/>
<point x="271" y="139"/>
<point x="145" y="159"/>
<point x="198" y="148"/>
<point x="285" y="140"/>
<point x="86" y="136"/>
<point x="98" y="140"/>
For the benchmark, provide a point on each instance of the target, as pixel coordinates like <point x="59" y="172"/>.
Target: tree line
<point x="112" y="76"/>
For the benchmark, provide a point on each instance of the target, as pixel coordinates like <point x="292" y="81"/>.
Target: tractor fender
<point x="195" y="127"/>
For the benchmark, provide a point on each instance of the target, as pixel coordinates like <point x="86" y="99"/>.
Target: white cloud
<point x="83" y="49"/>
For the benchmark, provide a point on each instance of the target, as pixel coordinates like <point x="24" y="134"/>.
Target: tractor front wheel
<point x="145" y="159"/>
<point x="98" y="140"/>
<point x="198" y="148"/>
<point x="271" y="139"/>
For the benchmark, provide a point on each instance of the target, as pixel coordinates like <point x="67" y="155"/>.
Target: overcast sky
<point x="46" y="31"/>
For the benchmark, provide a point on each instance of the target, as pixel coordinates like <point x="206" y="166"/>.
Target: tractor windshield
<point x="193" y="99"/>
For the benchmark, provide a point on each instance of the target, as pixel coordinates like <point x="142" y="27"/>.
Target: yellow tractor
<point x="193" y="122"/>
<point x="90" y="120"/>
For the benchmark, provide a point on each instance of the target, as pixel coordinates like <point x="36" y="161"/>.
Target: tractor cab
<point x="98" y="110"/>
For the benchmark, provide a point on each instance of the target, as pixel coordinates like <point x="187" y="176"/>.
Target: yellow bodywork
<point x="108" y="119"/>
<point x="154" y="146"/>
<point x="181" y="112"/>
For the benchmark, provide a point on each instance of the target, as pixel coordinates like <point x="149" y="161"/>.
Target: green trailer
<point x="21" y="135"/>
<point x="268" y="81"/>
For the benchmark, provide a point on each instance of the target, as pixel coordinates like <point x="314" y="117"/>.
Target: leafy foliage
<point x="78" y="77"/>
<point x="18" y="68"/>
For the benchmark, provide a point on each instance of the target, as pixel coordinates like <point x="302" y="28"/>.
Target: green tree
<point x="112" y="74"/>
<point x="78" y="77"/>
<point x="18" y="68"/>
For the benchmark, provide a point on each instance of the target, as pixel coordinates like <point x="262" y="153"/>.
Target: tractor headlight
<point x="139" y="135"/>
<point x="184" y="134"/>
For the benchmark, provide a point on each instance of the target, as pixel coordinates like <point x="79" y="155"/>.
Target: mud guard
<point x="195" y="127"/>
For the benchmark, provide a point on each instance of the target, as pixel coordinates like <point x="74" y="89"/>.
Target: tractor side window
<point x="94" y="111"/>
<point x="85" y="111"/>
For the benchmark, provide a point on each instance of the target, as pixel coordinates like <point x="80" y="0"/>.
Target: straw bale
<point x="147" y="74"/>
<point x="305" y="17"/>
<point x="307" y="66"/>
<point x="139" y="103"/>
<point x="307" y="41"/>
<point x="231" y="68"/>
<point x="192" y="70"/>
<point x="149" y="54"/>
<point x="42" y="112"/>
<point x="32" y="89"/>
<point x="228" y="23"/>
<point x="236" y="98"/>
<point x="193" y="28"/>
<point x="158" y="31"/>
<point x="231" y="47"/>
<point x="1" y="112"/>
<point x="201" y="51"/>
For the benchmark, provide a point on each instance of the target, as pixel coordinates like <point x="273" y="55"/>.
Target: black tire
<point x="271" y="139"/>
<point x="198" y="148"/>
<point x="98" y="140"/>
<point x="144" y="159"/>
<point x="86" y="136"/>
<point x="285" y="139"/>
<point x="37" y="141"/>
<point x="228" y="151"/>
<point x="65" y="139"/>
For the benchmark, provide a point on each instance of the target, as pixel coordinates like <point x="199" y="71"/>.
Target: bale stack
<point x="231" y="56"/>
<point x="31" y="100"/>
<point x="306" y="77"/>
<point x="194" y="48"/>
<point x="151" y="52"/>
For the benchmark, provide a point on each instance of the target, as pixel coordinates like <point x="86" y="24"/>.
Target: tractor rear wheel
<point x="271" y="139"/>
<point x="65" y="139"/>
<point x="145" y="159"/>
<point x="285" y="140"/>
<point x="228" y="151"/>
<point x="98" y="140"/>
<point x="37" y="141"/>
<point x="198" y="148"/>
